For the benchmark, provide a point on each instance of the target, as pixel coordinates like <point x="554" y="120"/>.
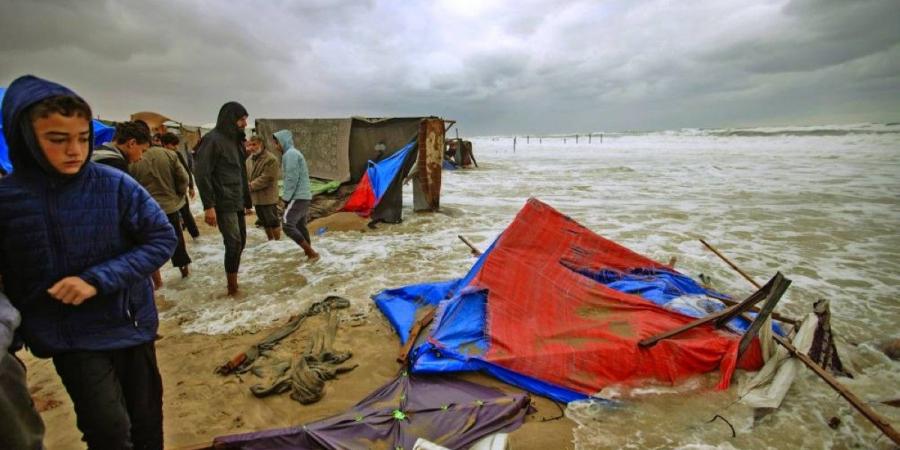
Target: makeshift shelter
<point x="563" y="312"/>
<point x="158" y="123"/>
<point x="446" y="411"/>
<point x="459" y="152"/>
<point x="351" y="150"/>
<point x="155" y="121"/>
<point x="340" y="149"/>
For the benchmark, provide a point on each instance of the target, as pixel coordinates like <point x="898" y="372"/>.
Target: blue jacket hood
<point x="24" y="151"/>
<point x="285" y="138"/>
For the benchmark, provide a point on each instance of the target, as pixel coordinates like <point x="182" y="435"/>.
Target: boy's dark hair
<point x="66" y="105"/>
<point x="132" y="130"/>
<point x="169" y="138"/>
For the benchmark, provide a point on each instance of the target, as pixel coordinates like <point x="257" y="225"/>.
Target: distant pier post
<point x="514" y="144"/>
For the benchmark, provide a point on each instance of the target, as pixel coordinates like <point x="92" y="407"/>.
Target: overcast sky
<point x="524" y="66"/>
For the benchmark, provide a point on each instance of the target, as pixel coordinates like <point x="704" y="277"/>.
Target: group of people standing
<point x="83" y="234"/>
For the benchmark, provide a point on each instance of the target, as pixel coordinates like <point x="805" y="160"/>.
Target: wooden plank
<point x="414" y="333"/>
<point x="720" y="317"/>
<point x="774" y="296"/>
<point x="775" y="315"/>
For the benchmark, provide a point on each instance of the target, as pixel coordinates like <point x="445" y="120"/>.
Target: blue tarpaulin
<point x="102" y="133"/>
<point x="382" y="173"/>
<point x="4" y="151"/>
<point x="462" y="337"/>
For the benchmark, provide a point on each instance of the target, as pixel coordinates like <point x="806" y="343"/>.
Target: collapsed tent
<point x="558" y="310"/>
<point x="382" y="179"/>
<point x="448" y="412"/>
<point x="102" y="133"/>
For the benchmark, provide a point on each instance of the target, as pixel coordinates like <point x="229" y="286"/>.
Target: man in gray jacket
<point x="221" y="176"/>
<point x="161" y="173"/>
<point x="21" y="426"/>
<point x="262" y="171"/>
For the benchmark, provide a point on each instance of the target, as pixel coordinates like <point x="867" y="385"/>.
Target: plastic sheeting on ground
<point x="317" y="186"/>
<point x="767" y="388"/>
<point x="449" y="412"/>
<point x="376" y="181"/>
<point x="496" y="441"/>
<point x="531" y="314"/>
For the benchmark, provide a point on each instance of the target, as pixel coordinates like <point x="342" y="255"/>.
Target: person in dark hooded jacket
<point x="221" y="176"/>
<point x="78" y="242"/>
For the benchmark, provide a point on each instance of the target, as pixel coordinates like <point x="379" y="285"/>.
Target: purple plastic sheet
<point x="444" y="410"/>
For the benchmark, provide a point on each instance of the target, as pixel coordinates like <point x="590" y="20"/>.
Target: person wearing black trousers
<point x="171" y="141"/>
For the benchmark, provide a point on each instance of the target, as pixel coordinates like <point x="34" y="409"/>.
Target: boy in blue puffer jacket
<point x="78" y="242"/>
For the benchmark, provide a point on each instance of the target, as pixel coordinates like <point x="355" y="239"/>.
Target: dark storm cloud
<point x="815" y="35"/>
<point x="526" y="66"/>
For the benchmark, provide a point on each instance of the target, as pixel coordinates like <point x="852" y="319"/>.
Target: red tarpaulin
<point x="549" y="322"/>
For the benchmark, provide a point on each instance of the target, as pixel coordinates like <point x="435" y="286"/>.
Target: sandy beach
<point x="199" y="405"/>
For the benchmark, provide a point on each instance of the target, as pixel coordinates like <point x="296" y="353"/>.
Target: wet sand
<point x="200" y="405"/>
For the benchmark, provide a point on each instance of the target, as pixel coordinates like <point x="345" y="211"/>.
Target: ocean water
<point x="820" y="204"/>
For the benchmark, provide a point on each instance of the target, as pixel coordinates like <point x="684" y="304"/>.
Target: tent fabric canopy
<point x="377" y="180"/>
<point x="531" y="313"/>
<point x="449" y="412"/>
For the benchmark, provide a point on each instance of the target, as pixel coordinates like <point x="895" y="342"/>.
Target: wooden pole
<point x="860" y="406"/>
<point x="775" y="315"/>
<point x="771" y="293"/>
<point x="472" y="246"/>
<point x="731" y="264"/>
